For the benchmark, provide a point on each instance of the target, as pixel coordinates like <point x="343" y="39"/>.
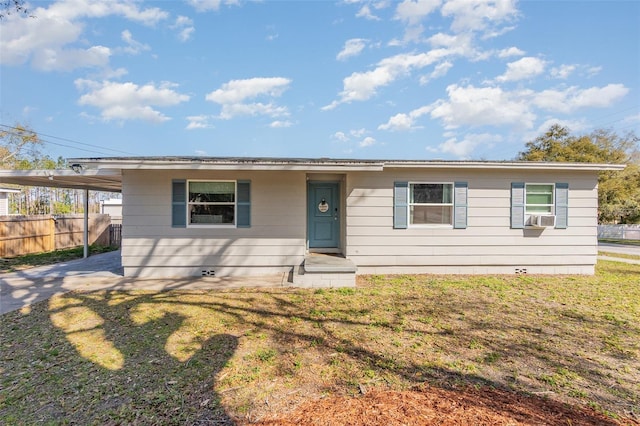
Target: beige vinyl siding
<point x="275" y="242"/>
<point x="488" y="244"/>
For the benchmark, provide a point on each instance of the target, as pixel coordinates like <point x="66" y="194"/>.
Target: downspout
<point x="86" y="224"/>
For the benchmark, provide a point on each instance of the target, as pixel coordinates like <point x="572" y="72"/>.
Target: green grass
<point x="209" y="357"/>
<point x="39" y="259"/>
<point x="619" y="255"/>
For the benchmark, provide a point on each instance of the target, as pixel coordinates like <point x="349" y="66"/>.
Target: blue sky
<point x="379" y="79"/>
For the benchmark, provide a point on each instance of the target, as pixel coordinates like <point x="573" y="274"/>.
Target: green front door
<point x="323" y="215"/>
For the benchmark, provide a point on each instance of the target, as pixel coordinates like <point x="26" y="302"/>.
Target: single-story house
<point x="203" y="216"/>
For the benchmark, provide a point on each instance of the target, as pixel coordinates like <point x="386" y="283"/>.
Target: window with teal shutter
<point x="179" y="203"/>
<point x="400" y="202"/>
<point x="460" y="205"/>
<point x="420" y="204"/>
<point x="517" y="205"/>
<point x="244" y="204"/>
<point x="562" y="205"/>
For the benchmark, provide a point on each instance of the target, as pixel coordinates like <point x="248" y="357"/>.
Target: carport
<point x="76" y="178"/>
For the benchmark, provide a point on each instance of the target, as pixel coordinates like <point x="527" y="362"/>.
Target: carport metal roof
<point x="87" y="180"/>
<point x="90" y="179"/>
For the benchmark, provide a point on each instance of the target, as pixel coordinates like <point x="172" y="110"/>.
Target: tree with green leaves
<point x="7" y="7"/>
<point x="618" y="192"/>
<point x="17" y="144"/>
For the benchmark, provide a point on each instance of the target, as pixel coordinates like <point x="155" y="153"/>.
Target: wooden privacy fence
<point x="21" y="235"/>
<point x="115" y="234"/>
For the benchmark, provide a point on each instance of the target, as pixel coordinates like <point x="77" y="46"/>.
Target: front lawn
<point x="218" y="357"/>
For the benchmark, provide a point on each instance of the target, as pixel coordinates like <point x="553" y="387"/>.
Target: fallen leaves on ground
<point x="444" y="407"/>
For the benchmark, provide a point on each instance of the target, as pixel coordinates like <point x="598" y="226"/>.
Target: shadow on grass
<point x="57" y="377"/>
<point x="119" y="357"/>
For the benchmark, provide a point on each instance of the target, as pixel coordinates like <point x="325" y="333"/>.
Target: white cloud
<point x="574" y="125"/>
<point x="482" y="106"/>
<point x="479" y="15"/>
<point x="572" y="98"/>
<point x="563" y="71"/>
<point x="351" y="48"/>
<point x="48" y="40"/>
<point x="133" y="47"/>
<point x="458" y="44"/>
<point x="207" y="5"/>
<point x="591" y="71"/>
<point x="278" y="124"/>
<point x="108" y="73"/>
<point x="523" y="68"/>
<point x="184" y="26"/>
<point x="365" y="12"/>
<point x="493" y="106"/>
<point x="128" y="101"/>
<point x="233" y="94"/>
<point x="631" y="119"/>
<point x="238" y="90"/>
<point x="198" y="122"/>
<point x="464" y="148"/>
<point x="404" y="122"/>
<point x="357" y="133"/>
<point x="341" y="136"/>
<point x="368" y="141"/>
<point x="27" y="110"/>
<point x="361" y="86"/>
<point x="413" y="11"/>
<point x="440" y="70"/>
<point x="511" y="51"/>
<point x="69" y="59"/>
<point x="230" y="111"/>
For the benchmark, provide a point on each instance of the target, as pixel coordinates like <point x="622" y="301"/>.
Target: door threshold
<point x="325" y="251"/>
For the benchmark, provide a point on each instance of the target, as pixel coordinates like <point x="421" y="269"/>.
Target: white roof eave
<point x="322" y="165"/>
<point x="506" y="165"/>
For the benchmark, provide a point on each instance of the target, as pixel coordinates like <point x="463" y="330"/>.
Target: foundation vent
<point x="521" y="271"/>
<point x="208" y="273"/>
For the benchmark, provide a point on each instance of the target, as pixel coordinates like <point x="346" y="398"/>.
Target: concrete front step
<point x="325" y="271"/>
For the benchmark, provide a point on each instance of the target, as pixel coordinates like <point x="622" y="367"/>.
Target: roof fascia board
<point x="117" y="164"/>
<point x="181" y="165"/>
<point x="506" y="166"/>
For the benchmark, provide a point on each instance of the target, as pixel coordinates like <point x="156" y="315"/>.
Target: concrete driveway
<point x="104" y="272"/>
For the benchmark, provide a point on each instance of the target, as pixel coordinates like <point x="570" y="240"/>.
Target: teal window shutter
<point x="400" y="203"/>
<point x="460" y="205"/>
<point x="562" y="205"/>
<point x="517" y="205"/>
<point x="243" y="214"/>
<point x="178" y="203"/>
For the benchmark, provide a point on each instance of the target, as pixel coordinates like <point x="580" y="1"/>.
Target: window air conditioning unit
<point x="543" y="221"/>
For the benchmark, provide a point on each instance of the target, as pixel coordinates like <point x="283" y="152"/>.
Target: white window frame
<point x="213" y="225"/>
<point x="410" y="204"/>
<point x="552" y="206"/>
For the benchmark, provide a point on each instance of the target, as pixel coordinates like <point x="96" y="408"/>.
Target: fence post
<point x="52" y="234"/>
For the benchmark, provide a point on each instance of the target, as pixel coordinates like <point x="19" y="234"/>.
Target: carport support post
<point x="86" y="224"/>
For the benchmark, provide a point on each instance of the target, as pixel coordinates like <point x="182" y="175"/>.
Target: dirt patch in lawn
<point x="430" y="405"/>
